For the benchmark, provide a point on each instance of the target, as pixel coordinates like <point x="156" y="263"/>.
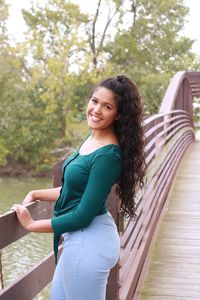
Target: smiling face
<point x="102" y="109"/>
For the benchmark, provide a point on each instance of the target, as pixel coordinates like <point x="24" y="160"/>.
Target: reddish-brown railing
<point x="178" y="95"/>
<point x="34" y="280"/>
<point x="168" y="135"/>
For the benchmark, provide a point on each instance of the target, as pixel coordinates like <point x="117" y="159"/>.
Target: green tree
<point x="44" y="82"/>
<point x="56" y="49"/>
<point x="153" y="48"/>
<point x="49" y="88"/>
<point x="99" y="31"/>
<point x="3" y="19"/>
<point x="42" y="94"/>
<point x="4" y="67"/>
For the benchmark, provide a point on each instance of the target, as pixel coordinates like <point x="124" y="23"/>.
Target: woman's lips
<point x="95" y="118"/>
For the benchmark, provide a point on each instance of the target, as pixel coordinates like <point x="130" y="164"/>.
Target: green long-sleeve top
<point x="86" y="183"/>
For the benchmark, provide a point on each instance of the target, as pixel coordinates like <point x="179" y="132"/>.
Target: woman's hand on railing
<point x="28" y="223"/>
<point x="23" y="215"/>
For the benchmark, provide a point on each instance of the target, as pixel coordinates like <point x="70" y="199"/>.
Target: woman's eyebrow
<point x="104" y="102"/>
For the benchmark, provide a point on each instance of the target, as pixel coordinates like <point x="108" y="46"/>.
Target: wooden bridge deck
<point x="174" y="269"/>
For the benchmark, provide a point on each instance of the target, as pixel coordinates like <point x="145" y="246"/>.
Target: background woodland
<point x="45" y="81"/>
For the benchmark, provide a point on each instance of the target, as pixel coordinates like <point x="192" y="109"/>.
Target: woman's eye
<point x="108" y="107"/>
<point x="94" y="100"/>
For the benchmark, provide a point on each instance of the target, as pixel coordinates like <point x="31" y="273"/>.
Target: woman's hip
<point x="99" y="240"/>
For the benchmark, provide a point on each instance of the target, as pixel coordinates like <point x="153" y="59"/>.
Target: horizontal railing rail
<point x="168" y="135"/>
<point x="11" y="230"/>
<point x="35" y="279"/>
<point x="166" y="150"/>
<point x="32" y="282"/>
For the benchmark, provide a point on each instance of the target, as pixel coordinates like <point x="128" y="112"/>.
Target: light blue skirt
<point x="87" y="257"/>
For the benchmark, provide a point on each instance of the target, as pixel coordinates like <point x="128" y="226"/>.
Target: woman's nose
<point x="97" y="109"/>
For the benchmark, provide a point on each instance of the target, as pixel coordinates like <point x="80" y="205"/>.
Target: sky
<point x="16" y="24"/>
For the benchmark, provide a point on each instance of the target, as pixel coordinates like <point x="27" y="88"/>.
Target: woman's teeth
<point x="96" y="119"/>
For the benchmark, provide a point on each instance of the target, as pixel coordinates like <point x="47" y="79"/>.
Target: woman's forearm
<point x="43" y="226"/>
<point x="46" y="194"/>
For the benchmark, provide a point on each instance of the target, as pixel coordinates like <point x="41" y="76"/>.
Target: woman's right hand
<point x="29" y="198"/>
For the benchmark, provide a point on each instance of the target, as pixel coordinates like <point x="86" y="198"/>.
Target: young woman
<point x="112" y="154"/>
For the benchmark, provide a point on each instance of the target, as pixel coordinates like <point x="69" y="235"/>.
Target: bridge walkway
<point x="174" y="269"/>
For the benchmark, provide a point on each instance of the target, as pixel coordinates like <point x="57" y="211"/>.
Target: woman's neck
<point x="104" y="136"/>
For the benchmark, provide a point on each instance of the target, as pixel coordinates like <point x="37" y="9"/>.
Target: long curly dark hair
<point x="130" y="132"/>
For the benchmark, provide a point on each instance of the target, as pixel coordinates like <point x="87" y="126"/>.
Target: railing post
<point x="112" y="291"/>
<point x="1" y="273"/>
<point x="57" y="174"/>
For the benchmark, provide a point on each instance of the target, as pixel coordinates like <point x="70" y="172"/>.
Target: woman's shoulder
<point x="107" y="159"/>
<point x="110" y="151"/>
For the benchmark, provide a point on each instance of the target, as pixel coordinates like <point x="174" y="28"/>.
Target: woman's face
<point x="102" y="109"/>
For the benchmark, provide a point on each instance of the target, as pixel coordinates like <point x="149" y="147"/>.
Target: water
<point x="20" y="256"/>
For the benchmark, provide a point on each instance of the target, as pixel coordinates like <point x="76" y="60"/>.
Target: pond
<point x="20" y="256"/>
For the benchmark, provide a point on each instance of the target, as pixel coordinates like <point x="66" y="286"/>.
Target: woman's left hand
<point x="23" y="215"/>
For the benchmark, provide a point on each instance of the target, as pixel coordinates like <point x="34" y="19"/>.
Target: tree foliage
<point x="45" y="81"/>
<point x="4" y="78"/>
<point x="152" y="49"/>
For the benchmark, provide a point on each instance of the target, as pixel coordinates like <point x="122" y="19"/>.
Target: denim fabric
<point x="87" y="257"/>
